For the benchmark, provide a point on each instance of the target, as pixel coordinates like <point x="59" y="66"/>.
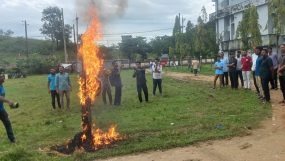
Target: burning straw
<point x="90" y="139"/>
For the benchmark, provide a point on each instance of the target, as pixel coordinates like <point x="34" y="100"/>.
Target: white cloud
<point x="141" y="15"/>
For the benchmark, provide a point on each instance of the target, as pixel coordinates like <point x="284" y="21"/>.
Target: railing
<point x="236" y="44"/>
<point x="239" y="7"/>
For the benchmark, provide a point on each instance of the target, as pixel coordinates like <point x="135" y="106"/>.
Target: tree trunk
<point x="181" y="63"/>
<point x="277" y="42"/>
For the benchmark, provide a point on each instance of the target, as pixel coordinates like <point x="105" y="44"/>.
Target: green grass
<point x="206" y="69"/>
<point x="188" y="112"/>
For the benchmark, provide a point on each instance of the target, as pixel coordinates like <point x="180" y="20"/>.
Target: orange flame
<point x="90" y="84"/>
<point x="89" y="54"/>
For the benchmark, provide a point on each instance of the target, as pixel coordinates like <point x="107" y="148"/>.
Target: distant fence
<point x="126" y="64"/>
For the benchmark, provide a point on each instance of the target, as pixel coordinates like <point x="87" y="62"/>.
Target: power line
<point x="138" y="32"/>
<point x="120" y="34"/>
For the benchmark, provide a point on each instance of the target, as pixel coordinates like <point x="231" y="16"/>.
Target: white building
<point x="228" y="15"/>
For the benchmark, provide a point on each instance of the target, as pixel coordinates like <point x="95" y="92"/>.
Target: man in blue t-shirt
<point x="52" y="88"/>
<point x="257" y="72"/>
<point x="3" y="114"/>
<point x="219" y="71"/>
<point x="63" y="87"/>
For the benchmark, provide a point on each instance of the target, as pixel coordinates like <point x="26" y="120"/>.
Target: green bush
<point x="37" y="64"/>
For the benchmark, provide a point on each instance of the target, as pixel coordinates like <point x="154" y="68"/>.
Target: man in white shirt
<point x="225" y="80"/>
<point x="195" y="65"/>
<point x="254" y="57"/>
<point x="239" y="70"/>
<point x="157" y="77"/>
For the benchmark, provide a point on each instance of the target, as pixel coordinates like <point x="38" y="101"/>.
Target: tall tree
<point x="67" y="32"/>
<point x="189" y="27"/>
<point x="254" y="27"/>
<point x="160" y="44"/>
<point x="190" y="38"/>
<point x="204" y="15"/>
<point x="52" y="26"/>
<point x="212" y="44"/>
<point x="242" y="30"/>
<point x="177" y="26"/>
<point x="277" y="12"/>
<point x="248" y="29"/>
<point x="130" y="47"/>
<point x="201" y="37"/>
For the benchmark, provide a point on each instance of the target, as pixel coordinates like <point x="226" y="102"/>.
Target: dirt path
<point x="264" y="144"/>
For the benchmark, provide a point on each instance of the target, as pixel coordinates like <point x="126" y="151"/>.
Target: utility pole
<point x="75" y="43"/>
<point x="77" y="37"/>
<point x="26" y="36"/>
<point x="63" y="34"/>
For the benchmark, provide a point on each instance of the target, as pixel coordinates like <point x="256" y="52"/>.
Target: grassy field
<point x="206" y="69"/>
<point x="188" y="112"/>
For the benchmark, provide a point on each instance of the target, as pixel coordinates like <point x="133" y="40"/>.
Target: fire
<point x="89" y="84"/>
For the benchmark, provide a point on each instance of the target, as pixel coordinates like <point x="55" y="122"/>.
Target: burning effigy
<point x="91" y="138"/>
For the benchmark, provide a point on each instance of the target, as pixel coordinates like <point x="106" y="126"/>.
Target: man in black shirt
<point x="266" y="73"/>
<point x="139" y="73"/>
<point x="281" y="71"/>
<point x="233" y="71"/>
<point x="116" y="81"/>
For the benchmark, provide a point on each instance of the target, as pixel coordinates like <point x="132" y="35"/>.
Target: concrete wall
<point x="233" y="2"/>
<point x="263" y="18"/>
<point x="238" y="18"/>
<point x="221" y="26"/>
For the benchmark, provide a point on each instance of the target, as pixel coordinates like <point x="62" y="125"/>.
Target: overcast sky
<point x="139" y="15"/>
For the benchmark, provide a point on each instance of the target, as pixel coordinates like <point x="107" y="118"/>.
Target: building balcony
<point x="267" y="40"/>
<point x="228" y="10"/>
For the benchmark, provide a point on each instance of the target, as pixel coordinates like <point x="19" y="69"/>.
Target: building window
<point x="232" y="27"/>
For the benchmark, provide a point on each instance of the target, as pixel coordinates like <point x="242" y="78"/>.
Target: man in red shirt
<point x="246" y="63"/>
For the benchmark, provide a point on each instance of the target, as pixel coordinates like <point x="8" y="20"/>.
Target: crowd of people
<point x="59" y="84"/>
<point x="264" y="65"/>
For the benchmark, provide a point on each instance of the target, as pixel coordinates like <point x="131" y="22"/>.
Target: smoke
<point x="105" y="9"/>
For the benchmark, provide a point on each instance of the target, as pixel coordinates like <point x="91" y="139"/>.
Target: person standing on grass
<point x="115" y="78"/>
<point x="274" y="58"/>
<point x="195" y="66"/>
<point x="157" y="77"/>
<point x="139" y="74"/>
<point x="239" y="69"/>
<point x="190" y="63"/>
<point x="63" y="87"/>
<point x="266" y="73"/>
<point x="150" y="65"/>
<point x="52" y="88"/>
<point x="246" y="63"/>
<point x="232" y="71"/>
<point x="218" y="72"/>
<point x="3" y="114"/>
<point x="281" y="71"/>
<point x="225" y="61"/>
<point x="257" y="72"/>
<point x="106" y="87"/>
<point x="254" y="57"/>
